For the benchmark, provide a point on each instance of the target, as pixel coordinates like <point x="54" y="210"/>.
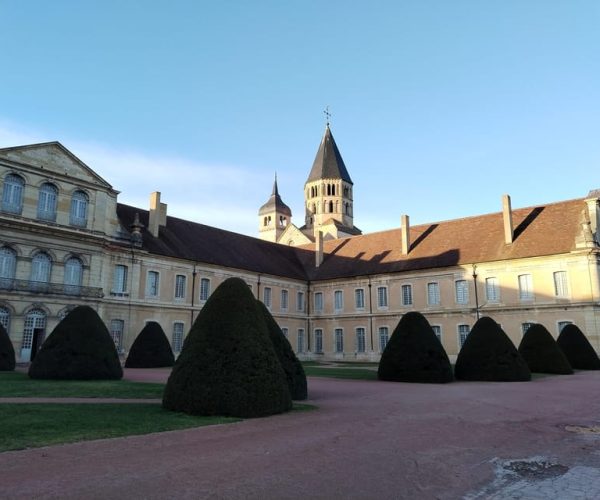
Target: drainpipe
<point x="308" y="316"/>
<point x="370" y="314"/>
<point x="258" y="288"/>
<point x="194" y="273"/>
<point x="476" y="296"/>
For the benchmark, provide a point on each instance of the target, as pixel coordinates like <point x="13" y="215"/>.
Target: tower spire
<point x="327" y="116"/>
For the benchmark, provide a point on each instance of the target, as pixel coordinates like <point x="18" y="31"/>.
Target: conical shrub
<point x="7" y="352"/>
<point x="228" y="365"/>
<point x="414" y="354"/>
<point x="489" y="355"/>
<point x="150" y="349"/>
<point x="541" y="352"/>
<point x="79" y="348"/>
<point x="578" y="349"/>
<point x="295" y="376"/>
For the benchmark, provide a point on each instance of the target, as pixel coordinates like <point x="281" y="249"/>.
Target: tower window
<point x="333" y="190"/>
<point x="331" y="207"/>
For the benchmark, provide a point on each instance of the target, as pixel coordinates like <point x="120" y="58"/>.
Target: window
<point x="437" y="329"/>
<point x="4" y="318"/>
<point x="73" y="275"/>
<point x="318" y="341"/>
<point x="120" y="281"/>
<point x="12" y="194"/>
<point x="267" y="297"/>
<point x="525" y="327"/>
<point x="383" y="337"/>
<point x="462" y="291"/>
<point x="8" y="266"/>
<point x="204" y="289"/>
<point x="300" y="301"/>
<point x="382" y="297"/>
<point x="359" y="298"/>
<point x="180" y="286"/>
<point x="79" y="204"/>
<point x="525" y="287"/>
<point x="284" y="330"/>
<point x="318" y="301"/>
<point x="463" y="332"/>
<point x="300" y="340"/>
<point x="338" y="300"/>
<point x="47" y="202"/>
<point x="152" y="284"/>
<point x="284" y="300"/>
<point x="177" y="336"/>
<point x="433" y="294"/>
<point x="560" y="284"/>
<point x="117" y="326"/>
<point x="339" y="340"/>
<point x="492" y="289"/>
<point x="360" y="340"/>
<point x="407" y="295"/>
<point x="562" y="324"/>
<point x="41" y="266"/>
<point x="35" y="320"/>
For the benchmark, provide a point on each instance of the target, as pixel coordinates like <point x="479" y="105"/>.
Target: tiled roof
<point x="275" y="203"/>
<point x="328" y="163"/>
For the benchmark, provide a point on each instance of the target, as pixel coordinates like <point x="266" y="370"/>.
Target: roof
<point x="328" y="163"/>
<point x="541" y="230"/>
<point x="196" y="242"/>
<point x="275" y="203"/>
<point x="352" y="230"/>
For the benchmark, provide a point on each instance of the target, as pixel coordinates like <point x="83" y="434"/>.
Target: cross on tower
<point x="327" y="115"/>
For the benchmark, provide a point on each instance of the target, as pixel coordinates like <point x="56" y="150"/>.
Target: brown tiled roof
<point x="543" y="230"/>
<point x="197" y="242"/>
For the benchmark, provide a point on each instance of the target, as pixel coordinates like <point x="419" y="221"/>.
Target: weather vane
<point x="327" y="115"/>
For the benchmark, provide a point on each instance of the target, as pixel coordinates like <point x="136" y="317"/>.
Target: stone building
<point x="337" y="294"/>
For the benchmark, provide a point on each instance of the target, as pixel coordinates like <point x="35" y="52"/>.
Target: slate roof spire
<point x="328" y="163"/>
<point x="275" y="203"/>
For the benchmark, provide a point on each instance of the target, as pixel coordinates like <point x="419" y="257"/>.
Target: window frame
<point x="318" y="336"/>
<point x="204" y="289"/>
<point x="406" y="298"/>
<point x="525" y="292"/>
<point x="80" y="202"/>
<point x="120" y="277"/>
<point x="338" y="301"/>
<point x="359" y="299"/>
<point x="47" y="202"/>
<point x="175" y="341"/>
<point x="318" y="302"/>
<point x="383" y="299"/>
<point x="180" y="290"/>
<point x="12" y="190"/>
<point x="284" y="299"/>
<point x="492" y="289"/>
<point x="461" y="291"/>
<point x="561" y="285"/>
<point x="338" y="340"/>
<point x="152" y="284"/>
<point x="383" y="332"/>
<point x="268" y="297"/>
<point x="435" y="285"/>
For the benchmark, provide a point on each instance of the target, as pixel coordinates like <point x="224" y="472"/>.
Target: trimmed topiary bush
<point x="541" y="352"/>
<point x="79" y="348"/>
<point x="295" y="376"/>
<point x="489" y="355"/>
<point x="7" y="352"/>
<point x="228" y="365"/>
<point x="414" y="354"/>
<point x="150" y="349"/>
<point x="578" y="349"/>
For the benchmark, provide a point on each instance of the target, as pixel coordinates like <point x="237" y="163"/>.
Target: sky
<point x="438" y="107"/>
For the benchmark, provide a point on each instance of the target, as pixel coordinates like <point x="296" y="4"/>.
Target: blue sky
<point x="439" y="107"/>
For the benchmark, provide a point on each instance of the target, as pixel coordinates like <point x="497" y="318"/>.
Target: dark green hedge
<point x="295" y="376"/>
<point x="578" y="349"/>
<point x="541" y="352"/>
<point x="7" y="352"/>
<point x="489" y="355"/>
<point x="151" y="349"/>
<point x="79" y="348"/>
<point x="228" y="365"/>
<point x="414" y="354"/>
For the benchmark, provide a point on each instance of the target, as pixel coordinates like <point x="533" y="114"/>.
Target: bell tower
<point x="273" y="217"/>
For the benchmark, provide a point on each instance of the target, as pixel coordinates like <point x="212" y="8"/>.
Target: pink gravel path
<point x="366" y="440"/>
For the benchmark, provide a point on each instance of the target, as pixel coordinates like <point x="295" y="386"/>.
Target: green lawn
<point x="15" y="384"/>
<point x="347" y="373"/>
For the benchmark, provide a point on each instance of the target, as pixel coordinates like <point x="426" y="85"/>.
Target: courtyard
<point x="366" y="439"/>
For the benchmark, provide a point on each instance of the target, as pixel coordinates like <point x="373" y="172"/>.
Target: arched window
<point x="4" y="317"/>
<point x="333" y="190"/>
<point x="347" y="209"/>
<point x="265" y="221"/>
<point x="328" y="189"/>
<point x="12" y="194"/>
<point x="331" y="207"/>
<point x="41" y="264"/>
<point x="73" y="275"/>
<point x="8" y="264"/>
<point x="35" y="320"/>
<point x="47" y="202"/>
<point x="79" y="206"/>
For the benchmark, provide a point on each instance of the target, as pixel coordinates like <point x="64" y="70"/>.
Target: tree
<point x="578" y="349"/>
<point x="79" y="348"/>
<point x="541" y="352"/>
<point x="150" y="349"/>
<point x="414" y="354"/>
<point x="228" y="365"/>
<point x="295" y="376"/>
<point x="7" y="351"/>
<point x="489" y="355"/>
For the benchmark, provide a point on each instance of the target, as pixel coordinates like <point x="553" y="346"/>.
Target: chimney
<point x="158" y="214"/>
<point x="508" y="222"/>
<point x="319" y="249"/>
<point x="405" y="224"/>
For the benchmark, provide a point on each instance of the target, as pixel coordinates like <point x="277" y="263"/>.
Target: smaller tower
<point x="273" y="217"/>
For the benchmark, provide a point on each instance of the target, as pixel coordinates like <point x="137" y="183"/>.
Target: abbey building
<point x="65" y="240"/>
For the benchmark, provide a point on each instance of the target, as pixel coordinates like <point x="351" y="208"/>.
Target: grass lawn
<point x="347" y="373"/>
<point x="17" y="385"/>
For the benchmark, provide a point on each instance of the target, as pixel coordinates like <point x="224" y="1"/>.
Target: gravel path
<point x="371" y="440"/>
